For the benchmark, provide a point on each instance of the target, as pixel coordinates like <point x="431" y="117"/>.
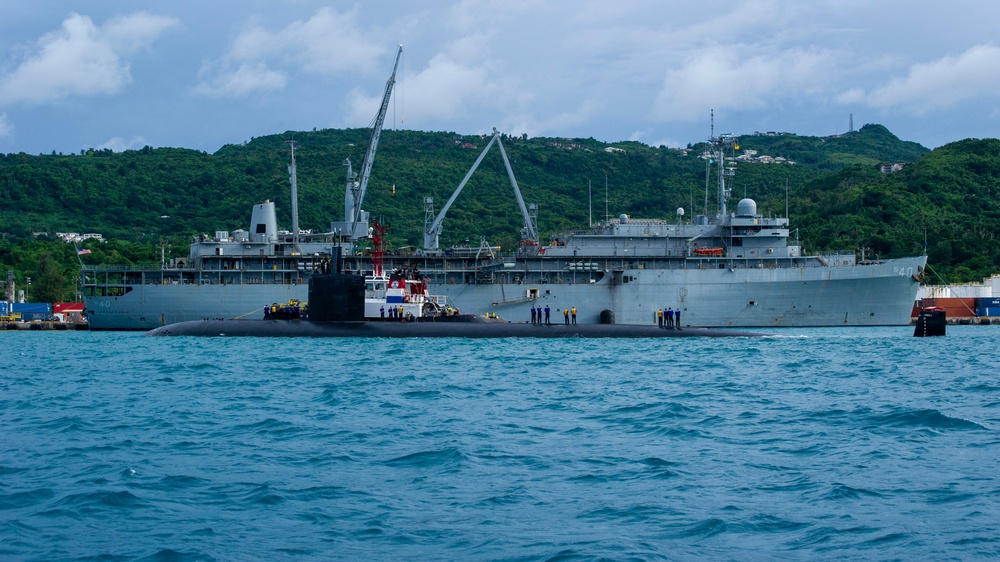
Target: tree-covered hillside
<point x="835" y="192"/>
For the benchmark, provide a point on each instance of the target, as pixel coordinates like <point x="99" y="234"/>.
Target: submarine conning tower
<point x="336" y="296"/>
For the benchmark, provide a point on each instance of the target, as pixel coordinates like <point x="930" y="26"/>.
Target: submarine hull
<point x="475" y="330"/>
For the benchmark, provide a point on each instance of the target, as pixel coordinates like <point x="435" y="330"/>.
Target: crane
<point x="354" y="194"/>
<point x="432" y="231"/>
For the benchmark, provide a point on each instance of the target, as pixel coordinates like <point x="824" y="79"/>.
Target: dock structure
<point x="44" y="325"/>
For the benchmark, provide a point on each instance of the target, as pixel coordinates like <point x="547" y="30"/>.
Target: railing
<point x="120" y="267"/>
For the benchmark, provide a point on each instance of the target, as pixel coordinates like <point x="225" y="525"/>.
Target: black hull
<point x="475" y="330"/>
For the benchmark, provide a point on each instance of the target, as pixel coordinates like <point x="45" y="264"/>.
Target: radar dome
<point x="623" y="219"/>
<point x="746" y="208"/>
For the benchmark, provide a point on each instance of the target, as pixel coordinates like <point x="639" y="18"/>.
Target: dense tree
<point x="835" y="193"/>
<point x="50" y="284"/>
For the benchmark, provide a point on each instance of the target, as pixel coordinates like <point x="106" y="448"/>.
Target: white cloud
<point x="6" y="127"/>
<point x="443" y="89"/>
<point x="242" y="81"/>
<point x="81" y="59"/>
<point x="723" y="78"/>
<point x="261" y="60"/>
<point x="939" y="84"/>
<point x="118" y="144"/>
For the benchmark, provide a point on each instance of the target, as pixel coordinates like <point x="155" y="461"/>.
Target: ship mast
<point x="295" y="199"/>
<point x="721" y="146"/>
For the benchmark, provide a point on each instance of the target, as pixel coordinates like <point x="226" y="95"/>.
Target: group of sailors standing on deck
<point x="536" y="314"/>
<point x="669" y="318"/>
<point x="290" y="311"/>
<point x="396" y="313"/>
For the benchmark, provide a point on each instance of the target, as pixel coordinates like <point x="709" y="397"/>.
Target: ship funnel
<point x="263" y="224"/>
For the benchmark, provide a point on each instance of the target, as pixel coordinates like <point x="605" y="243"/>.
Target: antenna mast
<point x="295" y="198"/>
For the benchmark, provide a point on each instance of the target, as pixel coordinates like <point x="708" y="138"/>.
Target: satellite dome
<point x="746" y="208"/>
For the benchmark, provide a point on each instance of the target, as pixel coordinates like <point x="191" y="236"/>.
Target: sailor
<point x="573" y="312"/>
<point x="566" y="316"/>
<point x="659" y="317"/>
<point x="267" y="312"/>
<point x="668" y="317"/>
<point x="532" y="314"/>
<point x="400" y="311"/>
<point x="547" y="317"/>
<point x="381" y="312"/>
<point x="677" y="318"/>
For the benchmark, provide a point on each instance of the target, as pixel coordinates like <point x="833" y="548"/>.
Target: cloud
<point x="241" y="81"/>
<point x="445" y="88"/>
<point x="936" y="85"/>
<point x="118" y="144"/>
<point x="82" y="59"/>
<point x="724" y="78"/>
<point x="261" y="60"/>
<point x="6" y="127"/>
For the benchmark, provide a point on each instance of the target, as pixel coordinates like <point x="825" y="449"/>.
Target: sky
<point x="195" y="74"/>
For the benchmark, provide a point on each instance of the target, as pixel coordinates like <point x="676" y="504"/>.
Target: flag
<point x="82" y="252"/>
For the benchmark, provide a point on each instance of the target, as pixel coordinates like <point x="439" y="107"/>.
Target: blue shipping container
<point x="988" y="302"/>
<point x="32" y="310"/>
<point x="32" y="307"/>
<point x="990" y="312"/>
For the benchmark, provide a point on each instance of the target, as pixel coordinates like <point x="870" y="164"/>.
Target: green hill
<point x="835" y="193"/>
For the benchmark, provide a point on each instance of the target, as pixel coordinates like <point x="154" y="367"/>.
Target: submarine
<point x="336" y="309"/>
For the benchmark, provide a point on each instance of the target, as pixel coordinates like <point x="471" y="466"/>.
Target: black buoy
<point x="931" y="322"/>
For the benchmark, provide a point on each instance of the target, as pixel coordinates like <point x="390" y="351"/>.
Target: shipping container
<point x="988" y="302"/>
<point x="32" y="310"/>
<point x="988" y="312"/>
<point x="953" y="307"/>
<point x="67" y="307"/>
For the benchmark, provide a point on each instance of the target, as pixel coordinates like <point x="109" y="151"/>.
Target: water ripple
<point x="828" y="444"/>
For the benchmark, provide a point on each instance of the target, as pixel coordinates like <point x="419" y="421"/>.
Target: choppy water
<point x="822" y="444"/>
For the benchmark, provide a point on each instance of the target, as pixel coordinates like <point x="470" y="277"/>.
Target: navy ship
<point x="734" y="269"/>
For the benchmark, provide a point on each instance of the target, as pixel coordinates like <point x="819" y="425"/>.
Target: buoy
<point x="931" y="322"/>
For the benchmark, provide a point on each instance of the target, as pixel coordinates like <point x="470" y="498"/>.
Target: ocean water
<point x="848" y="443"/>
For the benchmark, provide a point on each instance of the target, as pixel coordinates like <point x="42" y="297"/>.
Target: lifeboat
<point x="708" y="251"/>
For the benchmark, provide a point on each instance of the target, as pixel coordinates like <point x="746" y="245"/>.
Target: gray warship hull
<point x="713" y="295"/>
